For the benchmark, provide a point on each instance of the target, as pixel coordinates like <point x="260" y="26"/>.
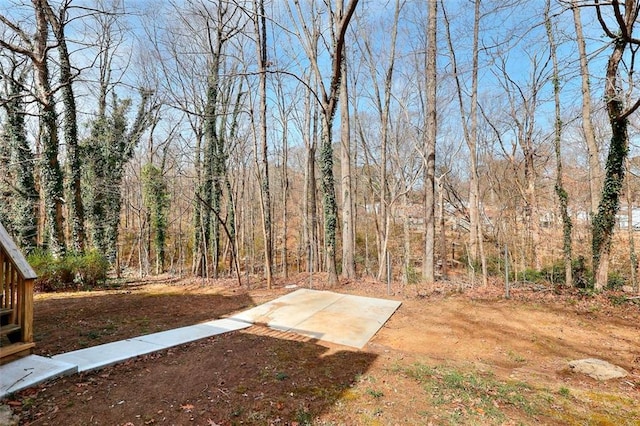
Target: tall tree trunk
<point x="561" y="192"/>
<point x="70" y="130"/>
<point x="265" y="196"/>
<point x="199" y="238"/>
<point x="285" y="199"/>
<point x="383" y="106"/>
<point x="533" y="210"/>
<point x="51" y="173"/>
<point x="470" y="130"/>
<point x="594" y="168"/>
<point x="428" y="268"/>
<point x="311" y="209"/>
<point x="443" y="235"/>
<point x="633" y="257"/>
<point x="23" y="199"/>
<point x="329" y="100"/>
<point x="604" y="221"/>
<point x="329" y="202"/>
<point x="348" y="223"/>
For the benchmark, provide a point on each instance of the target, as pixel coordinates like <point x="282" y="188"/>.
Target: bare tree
<point x="593" y="166"/>
<point x="260" y="25"/>
<point x="428" y="270"/>
<point x="348" y="220"/>
<point x="328" y="97"/>
<point x="381" y="97"/>
<point x="561" y="192"/>
<point x="470" y="130"/>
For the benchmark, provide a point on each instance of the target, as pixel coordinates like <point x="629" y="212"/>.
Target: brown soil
<point x="445" y="357"/>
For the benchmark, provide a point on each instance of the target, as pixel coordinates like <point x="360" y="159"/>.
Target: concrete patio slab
<point x="289" y="309"/>
<point x="333" y="317"/>
<point x="30" y="371"/>
<point x="351" y="320"/>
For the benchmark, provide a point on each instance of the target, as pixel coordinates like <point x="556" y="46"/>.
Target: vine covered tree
<point x="107" y="150"/>
<point x="156" y="199"/>
<point x="36" y="48"/>
<point x="619" y="108"/>
<point x="17" y="183"/>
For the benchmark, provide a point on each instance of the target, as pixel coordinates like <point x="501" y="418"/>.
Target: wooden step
<point x="5" y="312"/>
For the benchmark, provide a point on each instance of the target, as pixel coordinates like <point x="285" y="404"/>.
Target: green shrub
<point x="615" y="281"/>
<point x="72" y="272"/>
<point x="582" y="275"/>
<point x="413" y="275"/>
<point x="554" y="273"/>
<point x="531" y="275"/>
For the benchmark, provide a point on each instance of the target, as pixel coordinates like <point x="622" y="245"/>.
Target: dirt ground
<point x="445" y="357"/>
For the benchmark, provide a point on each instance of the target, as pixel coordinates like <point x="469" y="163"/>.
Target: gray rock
<point x="627" y="289"/>
<point x="597" y="368"/>
<point x="7" y="418"/>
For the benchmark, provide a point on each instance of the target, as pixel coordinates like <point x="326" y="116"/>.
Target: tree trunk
<point x="470" y="130"/>
<point x="633" y="257"/>
<point x="51" y="174"/>
<point x="595" y="171"/>
<point x="328" y="100"/>
<point x="267" y="227"/>
<point x="21" y="203"/>
<point x="563" y="197"/>
<point x="443" y="235"/>
<point x="428" y="268"/>
<point x="604" y="221"/>
<point x="348" y="223"/>
<point x="330" y="205"/>
<point x="70" y="130"/>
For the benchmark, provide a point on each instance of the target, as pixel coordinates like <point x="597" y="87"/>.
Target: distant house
<point x="622" y="218"/>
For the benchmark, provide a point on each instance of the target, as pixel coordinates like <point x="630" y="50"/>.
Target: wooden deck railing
<point x="16" y="299"/>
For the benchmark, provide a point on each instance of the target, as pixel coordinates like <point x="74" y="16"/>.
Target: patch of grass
<point x="93" y="335"/>
<point x="144" y="323"/>
<point x="617" y="300"/>
<point x="303" y="417"/>
<point x="27" y="402"/>
<point x="375" y="393"/>
<point x="597" y="408"/>
<point x="515" y="357"/>
<point x="281" y="376"/>
<point x="471" y="395"/>
<point x="615" y="281"/>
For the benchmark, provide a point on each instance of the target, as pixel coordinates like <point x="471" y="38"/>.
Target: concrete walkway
<point x="338" y="318"/>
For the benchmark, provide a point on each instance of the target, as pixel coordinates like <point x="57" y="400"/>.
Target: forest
<point x="399" y="139"/>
